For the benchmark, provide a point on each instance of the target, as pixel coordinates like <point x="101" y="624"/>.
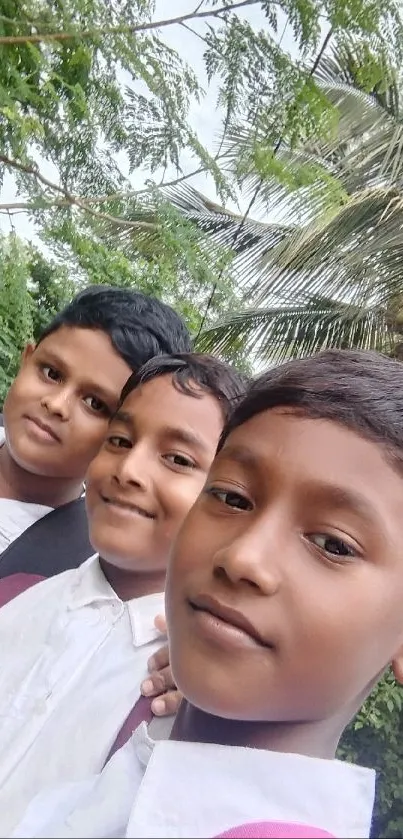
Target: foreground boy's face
<point x="285" y="590"/>
<point x="149" y="472"/>
<point x="58" y="408"/>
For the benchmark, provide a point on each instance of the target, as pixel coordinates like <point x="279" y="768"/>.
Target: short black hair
<point x="191" y="373"/>
<point x="139" y="327"/>
<point x="362" y="390"/>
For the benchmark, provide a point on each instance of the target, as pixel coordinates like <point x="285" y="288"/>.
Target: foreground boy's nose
<point x="246" y="559"/>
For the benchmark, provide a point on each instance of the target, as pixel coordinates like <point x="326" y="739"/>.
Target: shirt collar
<point x="236" y="786"/>
<point x="90" y="587"/>
<point x="142" y="613"/>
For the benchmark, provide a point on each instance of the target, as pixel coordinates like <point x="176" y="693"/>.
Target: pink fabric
<point x="274" y="830"/>
<point x="14" y="585"/>
<point x="141" y="712"/>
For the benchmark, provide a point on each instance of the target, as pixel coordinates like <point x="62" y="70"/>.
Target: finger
<point x="159" y="660"/>
<point x="167" y="704"/>
<point x="161" y="624"/>
<point x="158" y="682"/>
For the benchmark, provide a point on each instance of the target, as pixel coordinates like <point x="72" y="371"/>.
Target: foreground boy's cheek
<point x="323" y="655"/>
<point x="300" y="685"/>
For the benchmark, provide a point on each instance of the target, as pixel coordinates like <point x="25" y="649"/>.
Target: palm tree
<point x="330" y="274"/>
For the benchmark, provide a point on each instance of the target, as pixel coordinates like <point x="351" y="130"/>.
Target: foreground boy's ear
<point x="397" y="666"/>
<point x="27" y="353"/>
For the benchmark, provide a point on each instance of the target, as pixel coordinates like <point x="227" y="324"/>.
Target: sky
<point x="204" y="117"/>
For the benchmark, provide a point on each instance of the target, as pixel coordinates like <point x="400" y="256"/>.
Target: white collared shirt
<point x="72" y="657"/>
<point x="173" y="790"/>
<point x="16" y="516"/>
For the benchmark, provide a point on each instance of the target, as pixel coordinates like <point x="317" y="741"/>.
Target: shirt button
<point x="41" y="705"/>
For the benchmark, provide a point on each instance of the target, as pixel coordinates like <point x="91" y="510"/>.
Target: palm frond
<point x="275" y="334"/>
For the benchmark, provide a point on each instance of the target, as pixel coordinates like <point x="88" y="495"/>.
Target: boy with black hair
<point x="56" y="414"/>
<point x="74" y="647"/>
<point x="284" y="605"/>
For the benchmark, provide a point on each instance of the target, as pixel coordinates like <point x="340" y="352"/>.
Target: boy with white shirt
<point x="75" y="647"/>
<point x="56" y="414"/>
<point x="284" y="605"/>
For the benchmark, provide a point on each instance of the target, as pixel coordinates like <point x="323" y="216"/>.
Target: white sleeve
<point x="97" y="807"/>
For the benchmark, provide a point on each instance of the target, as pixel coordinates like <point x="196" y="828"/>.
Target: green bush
<point x="375" y="739"/>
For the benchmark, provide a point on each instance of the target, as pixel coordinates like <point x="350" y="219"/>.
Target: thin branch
<point x="121" y="30"/>
<point x="27" y="206"/>
<point x="73" y="200"/>
<point x="193" y="31"/>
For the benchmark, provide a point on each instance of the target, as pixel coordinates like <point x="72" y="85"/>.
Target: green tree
<point x="375" y="738"/>
<point x="329" y="274"/>
<point x="32" y="290"/>
<point x="161" y="253"/>
<point x="83" y="80"/>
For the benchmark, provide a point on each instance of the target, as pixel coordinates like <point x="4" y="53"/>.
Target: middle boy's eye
<point x="118" y="442"/>
<point x="183" y="461"/>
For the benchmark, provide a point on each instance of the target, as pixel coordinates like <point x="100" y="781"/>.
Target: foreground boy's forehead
<point x="325" y="459"/>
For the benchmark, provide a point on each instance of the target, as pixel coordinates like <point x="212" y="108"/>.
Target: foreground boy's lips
<point x="127" y="505"/>
<point x="43" y="426"/>
<point x="227" y="615"/>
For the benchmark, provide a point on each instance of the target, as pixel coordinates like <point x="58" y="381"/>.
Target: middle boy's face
<point x="149" y="472"/>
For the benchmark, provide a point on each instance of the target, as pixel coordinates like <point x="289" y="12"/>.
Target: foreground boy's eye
<point x="119" y="442"/>
<point x="96" y="405"/>
<point x="51" y="373"/>
<point x="181" y="460"/>
<point x="332" y="545"/>
<point x="230" y="498"/>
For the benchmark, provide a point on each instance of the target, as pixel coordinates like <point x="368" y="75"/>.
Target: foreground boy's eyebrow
<point x="341" y="498"/>
<point x="242" y="455"/>
<point x="124" y="417"/>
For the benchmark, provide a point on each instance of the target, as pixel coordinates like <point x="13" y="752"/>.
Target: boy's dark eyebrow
<point x="182" y="435"/>
<point x="342" y="498"/>
<point x="61" y="364"/>
<point x="240" y="454"/>
<point x="185" y="435"/>
<point x="122" y="416"/>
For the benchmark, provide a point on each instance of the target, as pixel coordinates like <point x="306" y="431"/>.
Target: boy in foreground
<point x="55" y="418"/>
<point x="74" y="647"/>
<point x="284" y="605"/>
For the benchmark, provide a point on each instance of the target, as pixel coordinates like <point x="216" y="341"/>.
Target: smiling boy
<point x="75" y="647"/>
<point x="284" y="604"/>
<point x="56" y="414"/>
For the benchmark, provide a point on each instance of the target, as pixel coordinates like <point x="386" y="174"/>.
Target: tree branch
<point x="117" y="30"/>
<point x="73" y="200"/>
<point x="84" y="204"/>
<point x="29" y="206"/>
